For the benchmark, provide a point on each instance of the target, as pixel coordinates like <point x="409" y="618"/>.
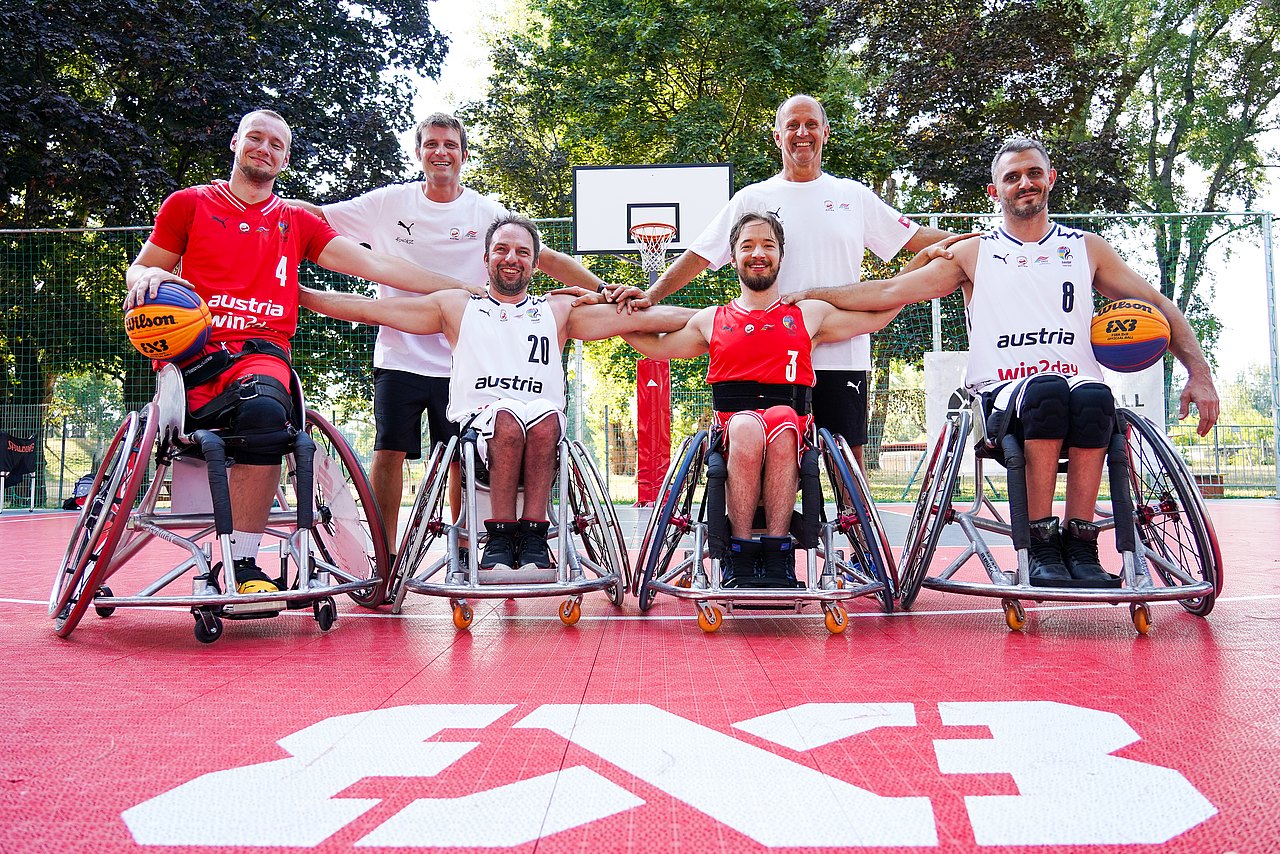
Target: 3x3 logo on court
<point x="1071" y="790"/>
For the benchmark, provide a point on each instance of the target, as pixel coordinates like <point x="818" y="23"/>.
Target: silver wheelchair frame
<point x="579" y="507"/>
<point x="866" y="570"/>
<point x="341" y="525"/>
<point x="1157" y="513"/>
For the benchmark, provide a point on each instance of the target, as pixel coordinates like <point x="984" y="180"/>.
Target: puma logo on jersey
<point x="220" y="220"/>
<point x="1003" y="259"/>
<point x="408" y="229"/>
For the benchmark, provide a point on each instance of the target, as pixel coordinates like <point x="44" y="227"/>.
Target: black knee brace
<point x="1093" y="416"/>
<point x="264" y="424"/>
<point x="717" y="520"/>
<point x="1043" y="411"/>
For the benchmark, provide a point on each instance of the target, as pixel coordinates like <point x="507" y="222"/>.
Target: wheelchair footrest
<point x="253" y="610"/>
<point x="507" y="575"/>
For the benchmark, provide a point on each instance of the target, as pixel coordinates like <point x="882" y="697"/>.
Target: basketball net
<point x="651" y="240"/>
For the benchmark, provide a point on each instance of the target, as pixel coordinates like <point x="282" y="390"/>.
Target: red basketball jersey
<point x="766" y="346"/>
<point x="243" y="259"/>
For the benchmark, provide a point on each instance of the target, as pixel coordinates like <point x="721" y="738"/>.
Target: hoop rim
<point x="660" y="232"/>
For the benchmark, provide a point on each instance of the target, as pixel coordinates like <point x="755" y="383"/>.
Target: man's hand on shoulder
<point x="941" y="249"/>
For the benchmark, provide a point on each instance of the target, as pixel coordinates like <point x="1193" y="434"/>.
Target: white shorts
<point x="526" y="413"/>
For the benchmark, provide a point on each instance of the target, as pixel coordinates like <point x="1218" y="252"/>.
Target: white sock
<point x="245" y="544"/>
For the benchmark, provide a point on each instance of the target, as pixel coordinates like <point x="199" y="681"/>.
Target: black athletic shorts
<point x="399" y="399"/>
<point x="840" y="404"/>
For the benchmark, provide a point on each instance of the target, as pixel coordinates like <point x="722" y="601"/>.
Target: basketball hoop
<point x="651" y="240"/>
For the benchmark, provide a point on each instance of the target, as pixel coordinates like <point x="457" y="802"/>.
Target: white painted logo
<point x="1072" y="791"/>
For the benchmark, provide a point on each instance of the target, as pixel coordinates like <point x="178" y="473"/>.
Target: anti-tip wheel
<point x="208" y="627"/>
<point x="837" y="619"/>
<point x="104" y="611"/>
<point x="1014" y="615"/>
<point x="710" y="619"/>
<point x="326" y="613"/>
<point x="570" y="611"/>
<point x="1141" y="616"/>
<point x="462" y="615"/>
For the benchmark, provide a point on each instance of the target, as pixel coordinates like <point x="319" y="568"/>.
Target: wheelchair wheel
<point x="594" y="520"/>
<point x="427" y="521"/>
<point x="87" y="562"/>
<point x="673" y="515"/>
<point x="932" y="508"/>
<point x="1170" y="513"/>
<point x="856" y="517"/>
<point x="348" y="532"/>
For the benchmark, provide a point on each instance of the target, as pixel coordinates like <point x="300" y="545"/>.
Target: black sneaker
<point x="1047" y="566"/>
<point x="1080" y="548"/>
<point x="500" y="550"/>
<point x="251" y="579"/>
<point x="777" y="562"/>
<point x="532" y="550"/>
<point x="740" y="564"/>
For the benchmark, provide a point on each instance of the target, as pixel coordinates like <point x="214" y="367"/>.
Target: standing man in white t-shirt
<point x="438" y="224"/>
<point x="830" y="222"/>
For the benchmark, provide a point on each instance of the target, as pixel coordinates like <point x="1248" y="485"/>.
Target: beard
<point x="512" y="289"/>
<point x="256" y="173"/>
<point x="758" y="281"/>
<point x="1026" y="208"/>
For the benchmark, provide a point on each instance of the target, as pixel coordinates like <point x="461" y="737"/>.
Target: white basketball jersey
<point x="1031" y="309"/>
<point x="505" y="351"/>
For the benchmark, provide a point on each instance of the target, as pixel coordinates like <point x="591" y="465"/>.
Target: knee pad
<point x="1043" y="411"/>
<point x="263" y="422"/>
<point x="1093" y="416"/>
<point x="717" y="518"/>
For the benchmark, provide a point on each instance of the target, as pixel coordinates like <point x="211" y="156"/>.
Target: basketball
<point x="172" y="326"/>
<point x="1129" y="335"/>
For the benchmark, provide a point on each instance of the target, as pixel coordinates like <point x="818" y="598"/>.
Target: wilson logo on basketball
<point x="134" y="322"/>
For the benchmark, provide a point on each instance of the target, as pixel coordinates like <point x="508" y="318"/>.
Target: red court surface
<point x="939" y="729"/>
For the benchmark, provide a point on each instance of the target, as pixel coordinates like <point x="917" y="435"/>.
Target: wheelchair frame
<point x="1158" y="515"/>
<point x="324" y="532"/>
<point x="579" y="506"/>
<point x="868" y="571"/>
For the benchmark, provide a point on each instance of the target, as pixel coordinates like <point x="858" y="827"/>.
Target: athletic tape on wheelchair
<point x="1072" y="791"/>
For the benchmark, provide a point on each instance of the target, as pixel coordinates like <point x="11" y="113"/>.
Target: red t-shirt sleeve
<point x="314" y="232"/>
<point x="173" y="222"/>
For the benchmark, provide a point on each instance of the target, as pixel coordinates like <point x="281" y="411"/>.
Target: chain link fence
<point x="68" y="374"/>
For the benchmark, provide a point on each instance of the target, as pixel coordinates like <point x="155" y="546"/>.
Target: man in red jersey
<point x="761" y="377"/>
<point x="239" y="246"/>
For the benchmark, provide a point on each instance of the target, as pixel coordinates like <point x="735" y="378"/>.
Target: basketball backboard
<point x="609" y="200"/>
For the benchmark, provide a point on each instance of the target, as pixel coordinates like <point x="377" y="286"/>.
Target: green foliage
<point x="640" y="81"/>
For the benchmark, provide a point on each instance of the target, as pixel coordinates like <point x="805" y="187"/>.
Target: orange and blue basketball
<point x="1129" y="335"/>
<point x="172" y="326"/>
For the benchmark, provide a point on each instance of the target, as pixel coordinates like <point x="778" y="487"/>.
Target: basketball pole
<point x="653" y="423"/>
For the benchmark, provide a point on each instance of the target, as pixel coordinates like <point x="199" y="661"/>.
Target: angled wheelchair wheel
<point x="348" y="532"/>
<point x="933" y="507"/>
<point x="86" y="565"/>
<point x="856" y="517"/>
<point x="427" y="522"/>
<point x="1172" y="521"/>
<point x="652" y="525"/>
<point x="673" y="515"/>
<point x="594" y="520"/>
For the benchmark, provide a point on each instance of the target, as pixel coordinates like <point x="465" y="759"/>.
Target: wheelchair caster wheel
<point x="208" y="627"/>
<point x="837" y="619"/>
<point x="326" y="614"/>
<point x="1141" y="616"/>
<point x="570" y="612"/>
<point x="462" y="615"/>
<point x="1014" y="615"/>
<point x="710" y="619"/>
<point x="104" y="611"/>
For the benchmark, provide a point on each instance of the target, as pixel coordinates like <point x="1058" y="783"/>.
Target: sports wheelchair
<point x="1157" y="513"/>
<point x="333" y="539"/>
<point x="579" y="507"/>
<point x="861" y="566"/>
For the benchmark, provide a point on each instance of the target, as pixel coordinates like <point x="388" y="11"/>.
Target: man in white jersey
<point x="830" y="224"/>
<point x="438" y="224"/>
<point x="1028" y="289"/>
<point x="507" y="380"/>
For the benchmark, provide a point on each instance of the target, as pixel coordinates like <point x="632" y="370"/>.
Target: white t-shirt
<point x="505" y="351"/>
<point x="1031" y="309"/>
<point x="444" y="237"/>
<point x="828" y="224"/>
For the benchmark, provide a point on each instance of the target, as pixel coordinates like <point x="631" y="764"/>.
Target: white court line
<point x="373" y="615"/>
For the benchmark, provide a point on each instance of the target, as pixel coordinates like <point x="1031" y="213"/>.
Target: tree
<point x="107" y="107"/>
